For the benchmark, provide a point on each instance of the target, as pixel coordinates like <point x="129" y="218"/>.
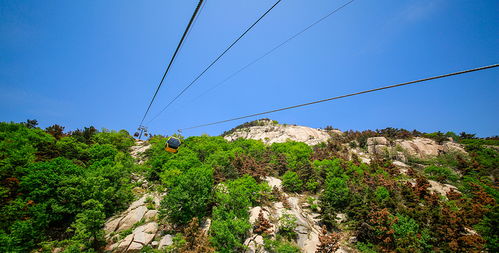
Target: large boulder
<point x="131" y="218"/>
<point x="420" y="147"/>
<point x="270" y="132"/>
<point x="377" y="145"/>
<point x="141" y="235"/>
<point x="165" y="241"/>
<point x="274" y="182"/>
<point x="255" y="244"/>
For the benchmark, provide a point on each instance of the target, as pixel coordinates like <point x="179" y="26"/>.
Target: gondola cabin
<point x="172" y="145"/>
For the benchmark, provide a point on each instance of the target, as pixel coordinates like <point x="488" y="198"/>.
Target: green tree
<point x="230" y="223"/>
<point x="336" y="192"/>
<point x="121" y="140"/>
<point x="292" y="182"/>
<point x="55" y="130"/>
<point x="89" y="223"/>
<point x="190" y="197"/>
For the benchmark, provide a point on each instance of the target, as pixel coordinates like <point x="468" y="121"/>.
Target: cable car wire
<point x="184" y="35"/>
<point x="214" y="61"/>
<point x="272" y="50"/>
<point x="347" y="95"/>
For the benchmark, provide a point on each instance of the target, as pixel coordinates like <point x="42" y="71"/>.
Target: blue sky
<point x="81" y="63"/>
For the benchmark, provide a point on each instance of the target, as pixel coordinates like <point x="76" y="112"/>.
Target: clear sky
<point x="81" y="63"/>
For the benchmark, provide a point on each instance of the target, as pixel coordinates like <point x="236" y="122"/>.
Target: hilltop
<point x="261" y="187"/>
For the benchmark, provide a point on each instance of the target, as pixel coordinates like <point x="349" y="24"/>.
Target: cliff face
<point x="270" y="132"/>
<point x="140" y="226"/>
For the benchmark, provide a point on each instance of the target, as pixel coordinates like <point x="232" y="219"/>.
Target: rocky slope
<point x="270" y="132"/>
<point x="401" y="150"/>
<point x="139" y="225"/>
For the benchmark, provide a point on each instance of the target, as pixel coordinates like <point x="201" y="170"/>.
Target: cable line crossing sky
<point x="186" y="32"/>
<point x="347" y="95"/>
<point x="216" y="59"/>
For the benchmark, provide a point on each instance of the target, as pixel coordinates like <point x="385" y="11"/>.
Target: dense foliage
<point x="388" y="211"/>
<point x="57" y="188"/>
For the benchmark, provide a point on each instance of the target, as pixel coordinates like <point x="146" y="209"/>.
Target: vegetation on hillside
<point x="387" y="211"/>
<point x="58" y="188"/>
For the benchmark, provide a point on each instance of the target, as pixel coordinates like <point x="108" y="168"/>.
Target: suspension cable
<point x="214" y="61"/>
<point x="347" y="95"/>
<point x="193" y="17"/>
<point x="271" y="51"/>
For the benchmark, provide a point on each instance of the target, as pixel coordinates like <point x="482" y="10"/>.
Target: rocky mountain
<point x="261" y="187"/>
<point x="269" y="131"/>
<point x="138" y="227"/>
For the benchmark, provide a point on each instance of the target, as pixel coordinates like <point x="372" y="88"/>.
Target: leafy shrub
<point x="297" y="153"/>
<point x="365" y="247"/>
<point x="312" y="186"/>
<point x="280" y="245"/>
<point x="287" y="226"/>
<point x="441" y="174"/>
<point x="88" y="224"/>
<point x="121" y="139"/>
<point x="230" y="216"/>
<point x="381" y="193"/>
<point x="336" y="192"/>
<point x="190" y="196"/>
<point x="292" y="182"/>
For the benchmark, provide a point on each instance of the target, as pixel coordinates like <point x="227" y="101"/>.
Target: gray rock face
<point x="151" y="215"/>
<point x="377" y="145"/>
<point x="443" y="189"/>
<point x="123" y="245"/>
<point x="138" y="151"/>
<point x="141" y="235"/>
<point x="270" y="133"/>
<point x="131" y="218"/>
<point x="167" y="240"/>
<point x="274" y="182"/>
<point x="255" y="244"/>
<point x="134" y="247"/>
<point x="418" y="147"/>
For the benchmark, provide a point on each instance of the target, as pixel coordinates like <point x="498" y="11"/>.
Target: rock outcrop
<point x="307" y="222"/>
<point x="270" y="132"/>
<point x="138" y="151"/>
<point x="400" y="150"/>
<point x="140" y="219"/>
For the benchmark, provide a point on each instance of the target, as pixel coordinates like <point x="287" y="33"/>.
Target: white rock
<point x="255" y="211"/>
<point x="125" y="243"/>
<point x="151" y="228"/>
<point x="373" y="141"/>
<point x="167" y="240"/>
<point x="151" y="215"/>
<point x="307" y="227"/>
<point x="341" y="217"/>
<point x="443" y="189"/>
<point x="274" y="182"/>
<point x="132" y="217"/>
<point x="421" y="147"/>
<point x="134" y="247"/>
<point x="400" y="164"/>
<point x="271" y="133"/>
<point x="111" y="247"/>
<point x="454" y="147"/>
<point x="143" y="238"/>
<point x="377" y="145"/>
<point x="206" y="224"/>
<point x="254" y="243"/>
<point x="137" y="203"/>
<point x="112" y="224"/>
